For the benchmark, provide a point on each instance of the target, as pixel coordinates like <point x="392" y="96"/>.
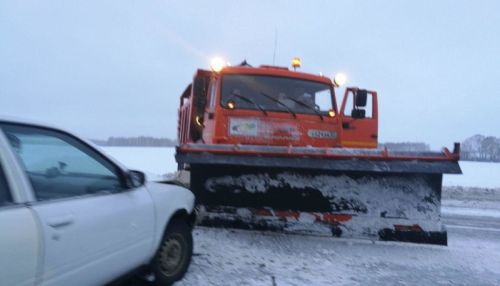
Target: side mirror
<point x="361" y="96"/>
<point x="136" y="179"/>
<point x="358" y="113"/>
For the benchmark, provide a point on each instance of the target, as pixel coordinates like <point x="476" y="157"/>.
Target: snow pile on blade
<point x="393" y="207"/>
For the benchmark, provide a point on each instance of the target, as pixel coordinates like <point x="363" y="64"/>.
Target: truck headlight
<point x="217" y="64"/>
<point x="339" y="79"/>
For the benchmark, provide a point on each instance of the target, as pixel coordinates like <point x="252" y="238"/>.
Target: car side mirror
<point x="136" y="179"/>
<point x="361" y="96"/>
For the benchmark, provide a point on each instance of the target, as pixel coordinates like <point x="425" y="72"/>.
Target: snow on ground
<point x="239" y="257"/>
<point x="475" y="174"/>
<point x="471" y="201"/>
<point x="160" y="160"/>
<point x="154" y="161"/>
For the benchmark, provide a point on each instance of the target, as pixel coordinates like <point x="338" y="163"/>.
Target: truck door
<point x="209" y="117"/>
<point x="198" y="104"/>
<point x="359" y="119"/>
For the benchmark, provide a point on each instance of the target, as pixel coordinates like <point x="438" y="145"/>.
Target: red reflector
<point x="414" y="228"/>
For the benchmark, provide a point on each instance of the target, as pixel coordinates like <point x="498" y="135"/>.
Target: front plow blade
<point x="363" y="193"/>
<point x="374" y="205"/>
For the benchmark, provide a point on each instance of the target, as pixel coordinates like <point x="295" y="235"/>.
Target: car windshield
<point x="272" y="93"/>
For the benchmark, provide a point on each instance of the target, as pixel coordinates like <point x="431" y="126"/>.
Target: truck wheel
<point x="174" y="254"/>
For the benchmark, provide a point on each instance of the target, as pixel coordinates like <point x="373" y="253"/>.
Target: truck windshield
<point x="273" y="93"/>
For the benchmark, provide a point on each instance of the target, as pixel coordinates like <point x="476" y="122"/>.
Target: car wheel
<point x="174" y="254"/>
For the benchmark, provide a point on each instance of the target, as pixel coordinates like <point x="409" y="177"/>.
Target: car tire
<point x="174" y="254"/>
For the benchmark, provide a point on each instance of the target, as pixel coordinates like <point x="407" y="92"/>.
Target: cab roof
<point x="271" y="71"/>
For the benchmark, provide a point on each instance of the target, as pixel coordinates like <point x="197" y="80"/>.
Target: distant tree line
<point x="481" y="148"/>
<point x="145" y="141"/>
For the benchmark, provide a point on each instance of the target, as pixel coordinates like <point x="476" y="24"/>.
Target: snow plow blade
<point x="361" y="193"/>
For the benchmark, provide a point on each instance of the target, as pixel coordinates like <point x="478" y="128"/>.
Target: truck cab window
<point x="59" y="166"/>
<point x="212" y="92"/>
<point x="5" y="196"/>
<point x="278" y="94"/>
<point x="323" y="100"/>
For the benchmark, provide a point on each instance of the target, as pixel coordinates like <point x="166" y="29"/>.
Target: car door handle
<point x="61" y="221"/>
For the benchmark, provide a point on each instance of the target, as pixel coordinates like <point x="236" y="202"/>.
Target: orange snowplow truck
<point x="274" y="106"/>
<point x="269" y="148"/>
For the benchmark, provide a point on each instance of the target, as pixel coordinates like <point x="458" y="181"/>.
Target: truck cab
<point x="275" y="106"/>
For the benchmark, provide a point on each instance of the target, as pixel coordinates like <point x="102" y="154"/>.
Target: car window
<point x="5" y="197"/>
<point x="60" y="166"/>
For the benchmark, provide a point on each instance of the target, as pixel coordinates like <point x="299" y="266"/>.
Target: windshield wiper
<point x="306" y="105"/>
<point x="280" y="103"/>
<point x="244" y="98"/>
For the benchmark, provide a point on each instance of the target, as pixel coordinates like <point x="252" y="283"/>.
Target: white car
<point x="70" y="215"/>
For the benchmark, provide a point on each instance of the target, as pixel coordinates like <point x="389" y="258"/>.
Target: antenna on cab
<point x="275" y="44"/>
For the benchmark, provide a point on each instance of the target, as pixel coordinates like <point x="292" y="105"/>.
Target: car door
<point x="19" y="236"/>
<point x="94" y="228"/>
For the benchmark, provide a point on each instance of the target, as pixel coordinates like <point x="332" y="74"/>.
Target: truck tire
<point x="174" y="254"/>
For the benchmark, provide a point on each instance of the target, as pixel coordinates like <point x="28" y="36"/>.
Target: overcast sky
<point x="117" y="68"/>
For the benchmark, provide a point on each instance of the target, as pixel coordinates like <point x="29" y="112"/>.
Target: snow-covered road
<point x="472" y="217"/>
<point x="238" y="257"/>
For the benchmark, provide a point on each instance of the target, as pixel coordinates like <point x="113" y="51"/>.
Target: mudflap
<point x="416" y="236"/>
<point x="375" y="205"/>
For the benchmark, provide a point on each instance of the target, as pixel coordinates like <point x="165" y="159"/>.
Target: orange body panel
<point x="277" y="128"/>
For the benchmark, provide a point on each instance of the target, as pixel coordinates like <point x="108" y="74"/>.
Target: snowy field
<point x="160" y="160"/>
<point x="476" y="174"/>
<point x="238" y="257"/>
<point x="154" y="161"/>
